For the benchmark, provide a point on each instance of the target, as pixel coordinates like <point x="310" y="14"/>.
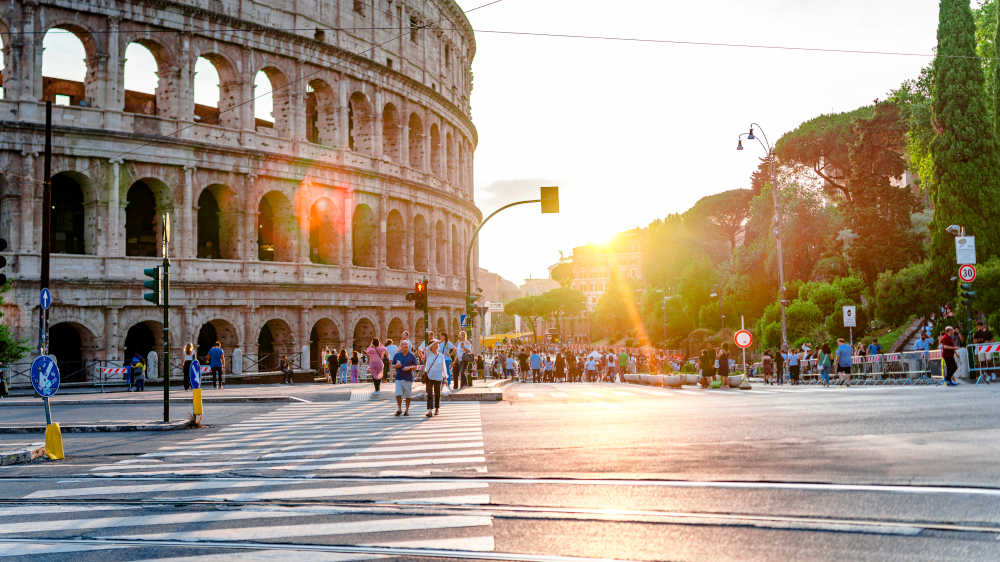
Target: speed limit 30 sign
<point x="743" y="339"/>
<point x="967" y="273"/>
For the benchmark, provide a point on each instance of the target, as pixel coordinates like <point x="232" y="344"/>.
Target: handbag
<point x="423" y="372"/>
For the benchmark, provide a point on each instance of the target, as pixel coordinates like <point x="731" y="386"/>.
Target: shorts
<point x="404" y="388"/>
<point x="843" y="370"/>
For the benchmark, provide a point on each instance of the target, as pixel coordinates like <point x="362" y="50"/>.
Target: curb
<point x="473" y="397"/>
<point x="22" y="456"/>
<point x="118" y="401"/>
<point x="98" y="428"/>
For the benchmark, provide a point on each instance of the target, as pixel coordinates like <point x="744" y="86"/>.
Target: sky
<point x="632" y="132"/>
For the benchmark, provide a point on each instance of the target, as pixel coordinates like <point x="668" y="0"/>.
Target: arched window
<point x="271" y="102"/>
<point x="206" y="92"/>
<point x="274" y="341"/>
<point x="323" y="233"/>
<point x="3" y="66"/>
<point x="441" y="246"/>
<point x="359" y="124"/>
<point x="321" y="113"/>
<point x="263" y="101"/>
<point x="218" y="226"/>
<point x="451" y="158"/>
<point x="65" y="74"/>
<point x="324" y="335"/>
<point x="363" y="236"/>
<point x="141" y="222"/>
<point x="416" y="137"/>
<point x="364" y="331"/>
<point x="395" y="332"/>
<point x="208" y="226"/>
<point x="67" y="216"/>
<point x="141" y="80"/>
<point x="390" y="133"/>
<point x="457" y="253"/>
<point x="395" y="240"/>
<point x="435" y="149"/>
<point x="420" y="241"/>
<point x="275" y="229"/>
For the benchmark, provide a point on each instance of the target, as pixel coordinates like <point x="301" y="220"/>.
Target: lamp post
<point x="762" y="139"/>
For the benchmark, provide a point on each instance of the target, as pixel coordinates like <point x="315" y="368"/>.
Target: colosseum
<point x="315" y="158"/>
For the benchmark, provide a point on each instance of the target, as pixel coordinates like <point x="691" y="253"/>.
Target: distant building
<point x="496" y="288"/>
<point x="535" y="287"/>
<point x="596" y="265"/>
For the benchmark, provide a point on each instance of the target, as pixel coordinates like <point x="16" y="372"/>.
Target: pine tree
<point x="964" y="149"/>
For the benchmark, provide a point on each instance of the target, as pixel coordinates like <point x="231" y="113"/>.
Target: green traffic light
<point x="153" y="284"/>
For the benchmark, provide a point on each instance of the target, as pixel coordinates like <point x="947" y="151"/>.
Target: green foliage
<point x="688" y="369"/>
<point x="10" y="349"/>
<point x="964" y="149"/>
<point x="723" y="214"/>
<point x="560" y="302"/>
<point x="562" y="273"/>
<point x="903" y="293"/>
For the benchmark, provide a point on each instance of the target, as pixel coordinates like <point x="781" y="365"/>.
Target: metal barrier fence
<point x="909" y="367"/>
<point x="984" y="362"/>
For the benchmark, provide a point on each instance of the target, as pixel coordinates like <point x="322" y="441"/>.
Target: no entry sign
<point x="743" y="339"/>
<point x="967" y="273"/>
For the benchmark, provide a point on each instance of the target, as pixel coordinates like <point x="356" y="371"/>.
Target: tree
<point x="562" y="273"/>
<point x="563" y="301"/>
<point x="964" y="149"/>
<point x="528" y="308"/>
<point x="724" y="213"/>
<point x="10" y="349"/>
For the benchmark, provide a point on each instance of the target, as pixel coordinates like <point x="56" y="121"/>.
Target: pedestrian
<point x="285" y="366"/>
<point x="794" y="366"/>
<point x="355" y="363"/>
<point x="188" y="359"/>
<point x="391" y="349"/>
<point x="375" y="353"/>
<point x="948" y="346"/>
<point x="464" y="359"/>
<point x="723" y="358"/>
<point x="535" y="363"/>
<point x="779" y="366"/>
<point x="824" y="363"/>
<point x="481" y="366"/>
<point x="342" y="366"/>
<point x="405" y="363"/>
<point x="591" y="369"/>
<point x="560" y="366"/>
<point x="874" y="348"/>
<point x="844" y="360"/>
<point x="767" y="366"/>
<point x="216" y="359"/>
<point x="139" y="373"/>
<point x="332" y="367"/>
<point x="511" y="368"/>
<point x="323" y="363"/>
<point x="434" y="372"/>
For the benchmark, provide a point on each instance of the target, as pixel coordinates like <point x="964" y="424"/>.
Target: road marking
<point x="417" y="459"/>
<point x="525" y="394"/>
<point x="483" y="544"/>
<point x="23" y="549"/>
<point x="558" y="394"/>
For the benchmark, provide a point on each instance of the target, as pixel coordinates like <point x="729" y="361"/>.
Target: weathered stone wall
<point x="347" y="88"/>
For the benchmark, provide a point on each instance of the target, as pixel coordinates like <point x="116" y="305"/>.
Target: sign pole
<point x="743" y="327"/>
<point x="165" y="292"/>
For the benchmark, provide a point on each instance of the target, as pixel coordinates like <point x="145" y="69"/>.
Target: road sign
<point x="743" y="339"/>
<point x="967" y="273"/>
<point x="850" y="316"/>
<point x="463" y="319"/>
<point x="965" y="249"/>
<point x="45" y="376"/>
<point x="45" y="299"/>
<point x="194" y="374"/>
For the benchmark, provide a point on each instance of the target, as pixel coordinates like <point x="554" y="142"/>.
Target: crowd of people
<point x="569" y="363"/>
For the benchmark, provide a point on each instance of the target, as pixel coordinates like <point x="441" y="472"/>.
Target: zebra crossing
<point x="607" y="392"/>
<point x="319" y="457"/>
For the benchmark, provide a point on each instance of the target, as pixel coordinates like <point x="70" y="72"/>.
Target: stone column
<point x="347" y="239"/>
<point x="112" y="341"/>
<point x="408" y="239"/>
<point x="104" y="83"/>
<point x="116" y="212"/>
<point x="188" y="246"/>
<point x="23" y="74"/>
<point x="348" y="329"/>
<point x="26" y="240"/>
<point x="377" y="144"/>
<point x="249" y="222"/>
<point x="304" y="333"/>
<point x="380" y="249"/>
<point x="342" y="103"/>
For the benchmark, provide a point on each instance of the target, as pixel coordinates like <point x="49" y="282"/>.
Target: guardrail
<point x="984" y="362"/>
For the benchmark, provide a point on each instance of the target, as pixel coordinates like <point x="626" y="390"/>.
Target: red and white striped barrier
<point x="114" y="371"/>
<point x="988" y="348"/>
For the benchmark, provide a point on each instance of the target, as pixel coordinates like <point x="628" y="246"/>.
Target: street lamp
<point x="762" y="139"/>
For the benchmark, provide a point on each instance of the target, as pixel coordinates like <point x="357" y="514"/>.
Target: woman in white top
<point x="188" y="358"/>
<point x="434" y="367"/>
<point x="463" y="361"/>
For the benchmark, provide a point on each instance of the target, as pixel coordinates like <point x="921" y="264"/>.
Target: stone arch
<point x="72" y="344"/>
<point x="324" y="239"/>
<point x="441" y="247"/>
<point x="321" y="113"/>
<point x="418" y="333"/>
<point x="274" y="340"/>
<point x="416" y="139"/>
<point x="364" y="331"/>
<point x="364" y="232"/>
<point x="4" y="53"/>
<point x="435" y="149"/>
<point x="146" y="199"/>
<point x="216" y="91"/>
<point x="271" y="99"/>
<point x="442" y="327"/>
<point x="218" y="223"/>
<point x="63" y="84"/>
<point x="391" y="147"/>
<point x="457" y="252"/>
<point x="217" y="330"/>
<point x="324" y="334"/>
<point x="420" y="243"/>
<point x="395" y="330"/>
<point x="73" y="214"/>
<point x="142" y="67"/>
<point x="395" y="240"/>
<point x="276" y="228"/>
<point x="360" y="124"/>
<point x="451" y="158"/>
<point x="143" y="337"/>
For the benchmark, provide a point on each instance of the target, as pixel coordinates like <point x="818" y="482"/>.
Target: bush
<point x="688" y="368"/>
<point x="904" y="293"/>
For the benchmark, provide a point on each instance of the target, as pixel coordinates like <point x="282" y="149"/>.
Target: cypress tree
<point x="964" y="149"/>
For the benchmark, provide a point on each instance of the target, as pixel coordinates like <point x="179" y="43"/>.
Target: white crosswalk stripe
<point x="355" y="439"/>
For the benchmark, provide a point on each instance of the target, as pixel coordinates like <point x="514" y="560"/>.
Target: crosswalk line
<point x="311" y="461"/>
<point x="525" y="394"/>
<point x="480" y="544"/>
<point x="269" y="555"/>
<point x="34" y="549"/>
<point x="313" y="528"/>
<point x="202" y="485"/>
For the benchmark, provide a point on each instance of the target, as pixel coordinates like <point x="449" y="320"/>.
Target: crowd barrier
<point x="908" y="367"/>
<point x="984" y="362"/>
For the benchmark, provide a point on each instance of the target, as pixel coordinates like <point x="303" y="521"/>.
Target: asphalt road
<point x="604" y="471"/>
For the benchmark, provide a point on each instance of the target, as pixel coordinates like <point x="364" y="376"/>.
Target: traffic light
<point x="154" y="285"/>
<point x="966" y="294"/>
<point x="419" y="295"/>
<point x="3" y="262"/>
<point x="550" y="199"/>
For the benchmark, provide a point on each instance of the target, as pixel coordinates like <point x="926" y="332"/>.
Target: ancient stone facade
<point x="289" y="234"/>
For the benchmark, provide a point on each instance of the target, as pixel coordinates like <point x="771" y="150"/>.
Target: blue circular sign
<point x="194" y="374"/>
<point x="45" y="299"/>
<point x="45" y="376"/>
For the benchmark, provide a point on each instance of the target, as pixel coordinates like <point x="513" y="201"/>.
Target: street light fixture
<point x="762" y="139"/>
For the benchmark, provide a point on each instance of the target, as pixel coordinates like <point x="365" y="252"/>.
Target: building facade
<point x="595" y="266"/>
<point x="289" y="234"/>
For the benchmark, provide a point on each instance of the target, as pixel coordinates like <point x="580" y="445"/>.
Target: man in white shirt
<point x="434" y="367"/>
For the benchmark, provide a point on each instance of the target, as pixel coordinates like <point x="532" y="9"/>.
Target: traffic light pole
<point x="43" y="332"/>
<point x="468" y="255"/>
<point x="165" y="368"/>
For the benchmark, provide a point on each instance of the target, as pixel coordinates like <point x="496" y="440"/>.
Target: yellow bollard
<point x="53" y="442"/>
<point x="196" y="397"/>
